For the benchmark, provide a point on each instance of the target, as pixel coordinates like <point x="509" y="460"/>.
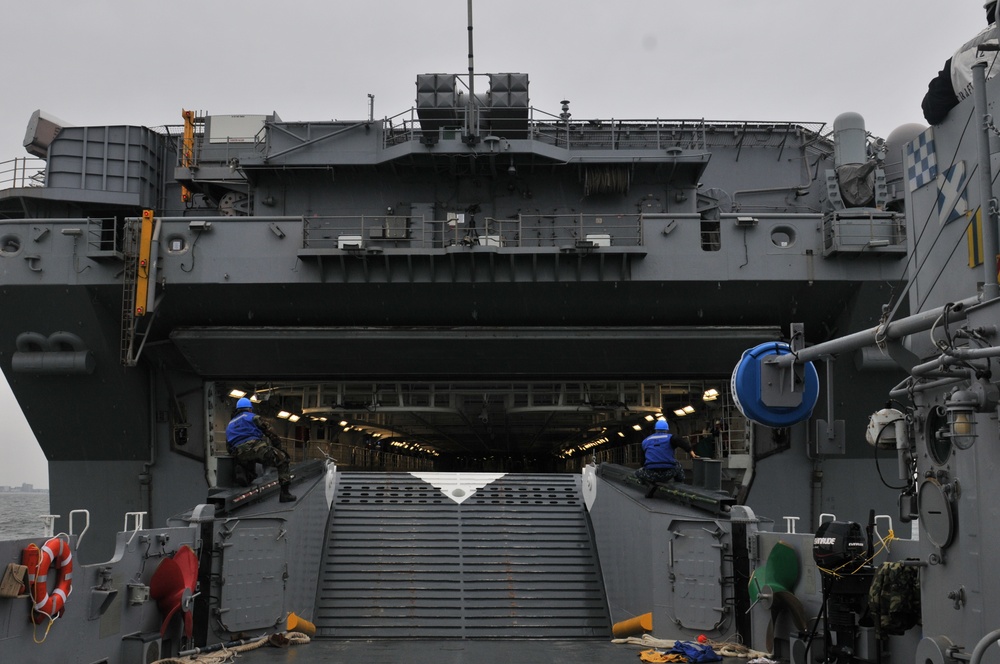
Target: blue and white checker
<point x="921" y="160"/>
<point x="952" y="201"/>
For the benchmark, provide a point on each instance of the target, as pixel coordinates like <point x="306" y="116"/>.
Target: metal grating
<point x="514" y="560"/>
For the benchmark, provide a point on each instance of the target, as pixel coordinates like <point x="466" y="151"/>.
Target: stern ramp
<point x="460" y="556"/>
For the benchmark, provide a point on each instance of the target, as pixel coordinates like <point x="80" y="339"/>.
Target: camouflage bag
<point x="894" y="599"/>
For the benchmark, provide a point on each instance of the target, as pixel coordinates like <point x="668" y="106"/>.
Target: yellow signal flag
<point x="974" y="236"/>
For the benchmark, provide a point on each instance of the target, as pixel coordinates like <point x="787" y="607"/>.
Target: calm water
<point x="20" y="512"/>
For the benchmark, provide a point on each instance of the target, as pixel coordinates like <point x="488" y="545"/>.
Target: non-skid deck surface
<point x="514" y="560"/>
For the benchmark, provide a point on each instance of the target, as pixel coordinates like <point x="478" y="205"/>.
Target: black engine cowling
<point x="838" y="543"/>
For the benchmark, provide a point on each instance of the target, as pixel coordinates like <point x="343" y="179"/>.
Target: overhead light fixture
<point x="621" y="434"/>
<point x="637" y="427"/>
<point x="343" y="423"/>
<point x="711" y="394"/>
<point x="237" y="394"/>
<point x="680" y="412"/>
<point x="650" y="418"/>
<point x="284" y="414"/>
<point x="255" y="398"/>
<point x="688" y="410"/>
<point x="293" y="418"/>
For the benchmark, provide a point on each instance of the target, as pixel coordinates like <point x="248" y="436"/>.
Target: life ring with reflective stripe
<point x="57" y="551"/>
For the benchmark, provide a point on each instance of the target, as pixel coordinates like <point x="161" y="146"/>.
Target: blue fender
<point x="747" y="393"/>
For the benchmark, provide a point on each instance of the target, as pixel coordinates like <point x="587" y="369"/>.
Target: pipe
<point x="154" y="259"/>
<point x="900" y="393"/>
<point x="146" y="477"/>
<point x="920" y="322"/>
<point x="988" y="204"/>
<point x="984" y="643"/>
<point x="470" y="119"/>
<point x="831" y="429"/>
<point x="219" y="646"/>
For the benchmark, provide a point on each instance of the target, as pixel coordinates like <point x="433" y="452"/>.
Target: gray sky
<point x="108" y="62"/>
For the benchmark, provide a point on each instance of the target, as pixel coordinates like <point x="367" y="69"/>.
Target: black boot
<point x="285" y="496"/>
<point x="241" y="476"/>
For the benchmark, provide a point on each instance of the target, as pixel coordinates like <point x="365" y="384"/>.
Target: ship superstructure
<point x="464" y="305"/>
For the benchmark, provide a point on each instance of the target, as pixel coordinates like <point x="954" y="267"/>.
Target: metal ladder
<point x="130" y="249"/>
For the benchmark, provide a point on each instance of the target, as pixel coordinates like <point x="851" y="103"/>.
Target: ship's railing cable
<point x="951" y="162"/>
<point x="925" y="227"/>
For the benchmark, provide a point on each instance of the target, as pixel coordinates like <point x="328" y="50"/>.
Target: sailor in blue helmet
<point x="245" y="440"/>
<point x="660" y="463"/>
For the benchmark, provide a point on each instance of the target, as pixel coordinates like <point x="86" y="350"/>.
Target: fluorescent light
<point x="621" y="434"/>
<point x="343" y="423"/>
<point x="680" y="412"/>
<point x="711" y="394"/>
<point x="255" y="398"/>
<point x="284" y="414"/>
<point x="650" y="418"/>
<point x="637" y="427"/>
<point x="688" y="410"/>
<point x="293" y="418"/>
<point x="237" y="394"/>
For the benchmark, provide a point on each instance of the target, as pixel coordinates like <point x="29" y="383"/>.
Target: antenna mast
<point x="470" y="115"/>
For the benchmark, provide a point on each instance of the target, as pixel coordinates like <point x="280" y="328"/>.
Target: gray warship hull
<point x="462" y="320"/>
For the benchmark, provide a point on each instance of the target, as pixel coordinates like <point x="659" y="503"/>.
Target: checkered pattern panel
<point x="921" y="161"/>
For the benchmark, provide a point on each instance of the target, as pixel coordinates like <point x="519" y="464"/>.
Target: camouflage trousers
<point x="262" y="452"/>
<point x="659" y="475"/>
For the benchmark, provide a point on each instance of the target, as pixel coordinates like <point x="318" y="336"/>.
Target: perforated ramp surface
<point x="514" y="559"/>
<point x="507" y="651"/>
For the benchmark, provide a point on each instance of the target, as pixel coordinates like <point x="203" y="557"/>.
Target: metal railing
<point x="352" y="457"/>
<point x="556" y="230"/>
<point x="22" y="172"/>
<point x="653" y="134"/>
<point x="601" y="134"/>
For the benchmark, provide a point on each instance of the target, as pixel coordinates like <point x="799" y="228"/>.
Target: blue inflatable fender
<point x="746" y="390"/>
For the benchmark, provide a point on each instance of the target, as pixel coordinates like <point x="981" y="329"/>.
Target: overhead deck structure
<point x="485" y="285"/>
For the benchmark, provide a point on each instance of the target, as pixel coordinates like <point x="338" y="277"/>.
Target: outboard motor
<point x="842" y="552"/>
<point x="838" y="544"/>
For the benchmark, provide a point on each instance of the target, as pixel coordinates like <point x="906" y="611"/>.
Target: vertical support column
<point x="988" y="204"/>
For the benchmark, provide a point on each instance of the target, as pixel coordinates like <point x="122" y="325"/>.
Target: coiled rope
<point x="224" y="653"/>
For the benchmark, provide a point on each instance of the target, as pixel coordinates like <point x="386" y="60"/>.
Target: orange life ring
<point x="46" y="605"/>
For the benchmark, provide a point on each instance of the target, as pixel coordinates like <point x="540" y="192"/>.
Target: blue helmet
<point x="661" y="425"/>
<point x="244" y="403"/>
